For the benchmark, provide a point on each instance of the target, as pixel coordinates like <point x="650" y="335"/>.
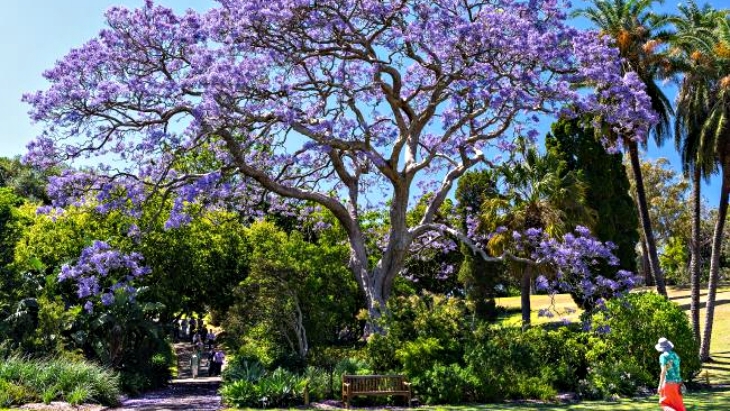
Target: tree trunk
<point x="695" y="262"/>
<point x="715" y="264"/>
<point x="645" y="219"/>
<point x="525" y="295"/>
<point x="648" y="278"/>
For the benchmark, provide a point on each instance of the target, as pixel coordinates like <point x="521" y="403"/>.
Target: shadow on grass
<point x="686" y="307"/>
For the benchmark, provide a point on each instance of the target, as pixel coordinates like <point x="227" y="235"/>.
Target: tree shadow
<point x="703" y="304"/>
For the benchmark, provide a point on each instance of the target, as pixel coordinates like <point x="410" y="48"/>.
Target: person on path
<point x="198" y="344"/>
<point x="175" y="330"/>
<point x="211" y="339"/>
<point x="193" y="326"/>
<point x="184" y="328"/>
<point x="670" y="378"/>
<point x="211" y="366"/>
<point x="217" y="363"/>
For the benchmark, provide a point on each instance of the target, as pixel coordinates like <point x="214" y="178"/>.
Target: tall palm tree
<point x="538" y="193"/>
<point x="715" y="133"/>
<point x="691" y="46"/>
<point x="637" y="31"/>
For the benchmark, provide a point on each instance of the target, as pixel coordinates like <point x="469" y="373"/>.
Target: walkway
<point x="184" y="393"/>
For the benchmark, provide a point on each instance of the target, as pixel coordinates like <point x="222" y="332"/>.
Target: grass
<point x="707" y="400"/>
<point x="25" y="380"/>
<point x="718" y="400"/>
<point x="716" y="372"/>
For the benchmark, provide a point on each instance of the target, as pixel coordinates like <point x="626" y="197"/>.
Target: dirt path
<point x="184" y="393"/>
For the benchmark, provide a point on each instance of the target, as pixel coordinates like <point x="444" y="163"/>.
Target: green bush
<point x="430" y="341"/>
<point x="29" y="380"/>
<point x="421" y="330"/>
<point x="243" y="368"/>
<point x="280" y="388"/>
<point x="447" y="384"/>
<point x="511" y="363"/>
<point x="623" y="357"/>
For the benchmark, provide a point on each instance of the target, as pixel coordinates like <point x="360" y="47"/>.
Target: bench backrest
<point x="375" y="383"/>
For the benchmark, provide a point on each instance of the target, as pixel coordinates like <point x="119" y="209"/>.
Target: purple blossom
<point x="100" y="268"/>
<point x="315" y="120"/>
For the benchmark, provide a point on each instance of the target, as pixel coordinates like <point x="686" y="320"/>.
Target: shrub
<point x="415" y="322"/>
<point x="243" y="368"/>
<point x="623" y="357"/>
<point x="28" y="380"/>
<point x="511" y="363"/>
<point x="280" y="388"/>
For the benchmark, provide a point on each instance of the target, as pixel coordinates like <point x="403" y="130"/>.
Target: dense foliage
<point x="287" y="166"/>
<point x="77" y="382"/>
<point x="606" y="187"/>
<point x="368" y="100"/>
<point x="631" y="326"/>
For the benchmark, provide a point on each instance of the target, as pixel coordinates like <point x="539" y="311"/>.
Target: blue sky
<point x="35" y="33"/>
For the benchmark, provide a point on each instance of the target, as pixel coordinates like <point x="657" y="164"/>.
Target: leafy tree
<point x="480" y="277"/>
<point x="298" y="295"/>
<point x="332" y="102"/>
<point x="538" y="194"/>
<point x="26" y="181"/>
<point x="432" y="263"/>
<point x="637" y="31"/>
<point x="607" y="187"/>
<point x="11" y="224"/>
<point x="666" y="192"/>
<point x="192" y="264"/>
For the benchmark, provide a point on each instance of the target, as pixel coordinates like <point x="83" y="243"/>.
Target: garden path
<point x="184" y="393"/>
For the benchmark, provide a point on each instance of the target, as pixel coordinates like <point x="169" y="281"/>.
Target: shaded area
<point x="201" y="396"/>
<point x="184" y="393"/>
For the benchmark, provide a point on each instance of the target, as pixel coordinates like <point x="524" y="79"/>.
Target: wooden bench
<point x="353" y="385"/>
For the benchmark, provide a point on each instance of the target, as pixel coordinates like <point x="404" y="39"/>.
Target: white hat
<point x="664" y="345"/>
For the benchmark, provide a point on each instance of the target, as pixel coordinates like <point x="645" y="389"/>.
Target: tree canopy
<point x="341" y="103"/>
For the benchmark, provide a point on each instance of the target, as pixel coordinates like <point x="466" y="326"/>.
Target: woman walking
<point x="670" y="378"/>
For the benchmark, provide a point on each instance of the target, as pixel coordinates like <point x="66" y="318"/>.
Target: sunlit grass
<point x="706" y="400"/>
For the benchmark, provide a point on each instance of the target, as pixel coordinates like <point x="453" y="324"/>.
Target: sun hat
<point x="664" y="345"/>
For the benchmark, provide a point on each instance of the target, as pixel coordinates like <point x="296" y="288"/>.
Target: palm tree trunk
<point x="648" y="278"/>
<point x="695" y="253"/>
<point x="645" y="219"/>
<point x="715" y="264"/>
<point x="525" y="295"/>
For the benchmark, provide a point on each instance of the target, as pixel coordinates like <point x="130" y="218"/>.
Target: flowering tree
<point x="335" y="102"/>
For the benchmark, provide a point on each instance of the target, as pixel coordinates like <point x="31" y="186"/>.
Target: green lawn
<point x="707" y="400"/>
<point x="710" y="400"/>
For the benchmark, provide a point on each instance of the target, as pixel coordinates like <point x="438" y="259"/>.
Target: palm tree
<point x="690" y="47"/>
<point x="637" y="32"/>
<point x="538" y="193"/>
<point x="715" y="133"/>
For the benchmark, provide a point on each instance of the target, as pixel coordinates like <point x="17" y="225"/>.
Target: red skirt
<point x="670" y="398"/>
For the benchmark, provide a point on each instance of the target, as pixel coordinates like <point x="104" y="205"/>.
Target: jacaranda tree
<point x="343" y="103"/>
